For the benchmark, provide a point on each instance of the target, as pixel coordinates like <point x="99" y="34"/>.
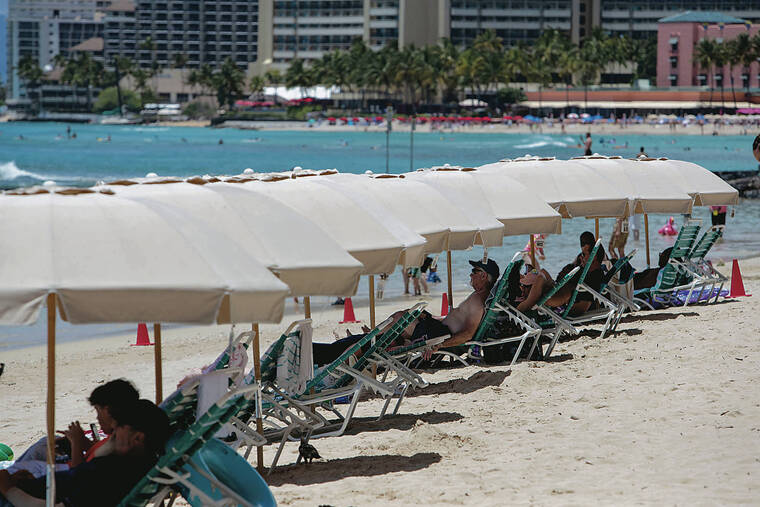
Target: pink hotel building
<point x="677" y="37"/>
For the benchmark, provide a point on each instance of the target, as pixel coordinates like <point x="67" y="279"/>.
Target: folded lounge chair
<point x="703" y="269"/>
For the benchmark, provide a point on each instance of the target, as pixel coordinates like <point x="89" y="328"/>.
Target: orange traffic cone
<point x="444" y="304"/>
<point x="737" y="285"/>
<point x="348" y="313"/>
<point x="142" y="336"/>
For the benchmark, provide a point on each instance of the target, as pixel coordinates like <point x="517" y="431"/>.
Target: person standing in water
<point x="587" y="144"/>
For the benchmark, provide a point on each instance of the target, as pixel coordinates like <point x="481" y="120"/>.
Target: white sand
<point x="665" y="411"/>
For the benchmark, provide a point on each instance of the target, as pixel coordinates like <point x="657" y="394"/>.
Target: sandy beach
<point x="665" y="411"/>
<point x="573" y="129"/>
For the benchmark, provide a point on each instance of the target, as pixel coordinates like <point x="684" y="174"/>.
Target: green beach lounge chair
<point x="702" y="268"/>
<point x="674" y="276"/>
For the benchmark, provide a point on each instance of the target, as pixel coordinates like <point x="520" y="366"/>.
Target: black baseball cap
<point x="489" y="267"/>
<point x="144" y="416"/>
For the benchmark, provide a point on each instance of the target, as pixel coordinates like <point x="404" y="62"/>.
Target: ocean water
<point x="31" y="153"/>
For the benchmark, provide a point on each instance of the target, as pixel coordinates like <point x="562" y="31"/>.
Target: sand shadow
<point x="475" y="382"/>
<point x="399" y="421"/>
<point x="596" y="333"/>
<point x="319" y="472"/>
<point x="559" y="358"/>
<point x="657" y="317"/>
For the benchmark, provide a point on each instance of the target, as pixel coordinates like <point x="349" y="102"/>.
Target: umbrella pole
<point x="157" y="359"/>
<point x="596" y="228"/>
<point x="372" y="301"/>
<point x="307" y="307"/>
<point x="50" y="487"/>
<point x="257" y="375"/>
<point x="448" y="275"/>
<point x="646" y="235"/>
<point x="532" y="251"/>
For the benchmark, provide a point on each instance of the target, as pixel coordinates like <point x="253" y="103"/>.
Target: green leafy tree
<point x="273" y="77"/>
<point x="228" y="82"/>
<point x="31" y="74"/>
<point x="108" y="100"/>
<point x="256" y="85"/>
<point x="298" y="76"/>
<point x="705" y="55"/>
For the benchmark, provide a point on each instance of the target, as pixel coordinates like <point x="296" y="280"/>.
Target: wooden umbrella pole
<point x="532" y="251"/>
<point x="448" y="275"/>
<point x="50" y="489"/>
<point x="257" y="375"/>
<point x="307" y="307"/>
<point x="596" y="228"/>
<point x="157" y="359"/>
<point x="646" y="236"/>
<point x="372" y="301"/>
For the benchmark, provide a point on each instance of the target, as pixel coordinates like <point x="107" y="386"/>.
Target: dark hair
<point x="587" y="238"/>
<point x="664" y="257"/>
<point x="113" y="393"/>
<point x="600" y="254"/>
<point x="564" y="271"/>
<point x="756" y="143"/>
<point x="144" y="416"/>
<point x="641" y="149"/>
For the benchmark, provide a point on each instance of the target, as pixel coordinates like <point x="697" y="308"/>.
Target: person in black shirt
<point x="140" y="435"/>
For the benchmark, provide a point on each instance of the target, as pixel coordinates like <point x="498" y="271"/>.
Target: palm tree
<point x="567" y="65"/>
<point x="180" y="62"/>
<point x="30" y="72"/>
<point x="256" y="85"/>
<point x="298" y="76"/>
<point x="721" y="59"/>
<point x="734" y="57"/>
<point x="273" y="77"/>
<point x="229" y="82"/>
<point x="447" y="55"/>
<point x="704" y="55"/>
<point x="747" y="54"/>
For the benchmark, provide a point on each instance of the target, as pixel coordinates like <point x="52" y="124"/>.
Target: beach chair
<point x="181" y="405"/>
<point x="330" y="383"/>
<point x="702" y="268"/>
<point x="674" y="276"/>
<point x="606" y="310"/>
<point x="498" y="311"/>
<point x="176" y="469"/>
<point x="614" y="290"/>
<point x="551" y="323"/>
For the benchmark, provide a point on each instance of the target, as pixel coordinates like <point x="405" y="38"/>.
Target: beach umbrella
<point x="292" y="246"/>
<point x="99" y="258"/>
<point x="465" y="194"/>
<point x="572" y="189"/>
<point x="358" y="228"/>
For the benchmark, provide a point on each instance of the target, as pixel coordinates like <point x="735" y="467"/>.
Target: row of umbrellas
<point x="181" y="250"/>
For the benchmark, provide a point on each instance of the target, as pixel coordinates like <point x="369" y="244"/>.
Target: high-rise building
<point x="42" y="29"/>
<point x="205" y="31"/>
<point x="638" y="18"/>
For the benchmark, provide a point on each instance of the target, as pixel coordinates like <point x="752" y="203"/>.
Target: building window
<point x="673" y="79"/>
<point x="673" y="62"/>
<point x="701" y="80"/>
<point x="745" y="80"/>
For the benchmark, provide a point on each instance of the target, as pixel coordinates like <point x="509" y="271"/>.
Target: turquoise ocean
<point x="31" y="153"/>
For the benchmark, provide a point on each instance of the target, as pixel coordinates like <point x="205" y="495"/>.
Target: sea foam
<point x="10" y="171"/>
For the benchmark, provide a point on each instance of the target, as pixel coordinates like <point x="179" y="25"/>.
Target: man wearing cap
<point x="140" y="434"/>
<point x="462" y="321"/>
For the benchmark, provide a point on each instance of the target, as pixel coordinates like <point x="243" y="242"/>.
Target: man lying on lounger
<point x="461" y="322"/>
<point x="140" y="434"/>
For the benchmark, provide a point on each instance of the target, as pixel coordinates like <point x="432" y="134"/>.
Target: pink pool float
<point x="668" y="229"/>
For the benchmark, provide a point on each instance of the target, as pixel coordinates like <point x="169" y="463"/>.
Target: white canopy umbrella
<point x="420" y="207"/>
<point x="117" y="260"/>
<point x="706" y="187"/>
<point x="573" y="189"/>
<point x="99" y="258"/>
<point x="642" y="183"/>
<point x="466" y="194"/>
<point x="357" y="228"/>
<point x="298" y="251"/>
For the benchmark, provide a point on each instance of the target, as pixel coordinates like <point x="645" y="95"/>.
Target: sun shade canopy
<point x="572" y="189"/>
<point x="704" y="186"/>
<point x="298" y="251"/>
<point x="117" y="260"/>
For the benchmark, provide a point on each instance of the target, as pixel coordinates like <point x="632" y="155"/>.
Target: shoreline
<point x="555" y="129"/>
